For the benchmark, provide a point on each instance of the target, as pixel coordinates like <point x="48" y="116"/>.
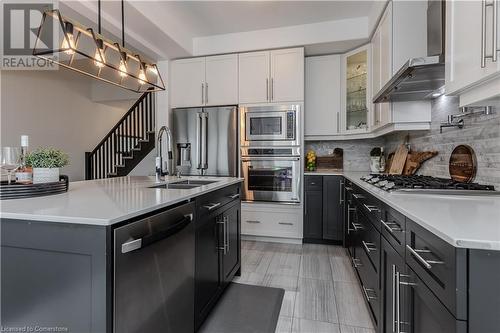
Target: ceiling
<point x="164" y="29"/>
<point x="220" y="17"/>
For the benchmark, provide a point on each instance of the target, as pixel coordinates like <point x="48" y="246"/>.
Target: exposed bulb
<point x="153" y="69"/>
<point x="99" y="58"/>
<point x="123" y="69"/>
<point x="68" y="45"/>
<point x="142" y="77"/>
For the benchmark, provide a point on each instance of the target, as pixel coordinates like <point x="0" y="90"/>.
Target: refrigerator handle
<point x="198" y="138"/>
<point x="204" y="139"/>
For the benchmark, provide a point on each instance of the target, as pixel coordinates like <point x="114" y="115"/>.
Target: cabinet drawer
<point x="425" y="311"/>
<point x="270" y="222"/>
<point x="369" y="283"/>
<point x="370" y="205"/>
<point x="369" y="240"/>
<point x="442" y="267"/>
<point x="394" y="228"/>
<point x="313" y="183"/>
<point x="211" y="201"/>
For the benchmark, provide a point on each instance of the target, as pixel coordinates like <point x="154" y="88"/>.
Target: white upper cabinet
<point x="382" y="67"/>
<point x="187" y="77"/>
<point x="204" y="81"/>
<point x="271" y="76"/>
<point x="221" y="80"/>
<point x="356" y="101"/>
<point x="287" y="75"/>
<point x="254" y="77"/>
<point x="469" y="56"/>
<point x="322" y="96"/>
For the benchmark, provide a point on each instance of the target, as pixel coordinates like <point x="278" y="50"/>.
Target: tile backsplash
<point x="356" y="152"/>
<point x="481" y="132"/>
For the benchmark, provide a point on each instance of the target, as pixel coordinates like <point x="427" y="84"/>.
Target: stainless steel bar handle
<point x="394" y="298"/>
<point x="368" y="297"/>
<point x="212" y="206"/>
<point x="267" y="89"/>
<point x="204" y="140"/>
<point x="234" y="196"/>
<point x="252" y="221"/>
<point x="198" y="139"/>
<point x="348" y="188"/>
<point x="495" y="31"/>
<point x="226" y="233"/>
<point x="223" y="247"/>
<point x="206" y="93"/>
<point x="398" y="300"/>
<point x="341" y="200"/>
<point x="387" y="225"/>
<point x="285" y="223"/>
<point x="338" y="122"/>
<point x="358" y="196"/>
<point x="202" y="93"/>
<point x="426" y="263"/>
<point x="369" y="247"/>
<point x="132" y="245"/>
<point x="371" y="208"/>
<point x="483" y="33"/>
<point x="357" y="226"/>
<point x="355" y="263"/>
<point x="272" y="89"/>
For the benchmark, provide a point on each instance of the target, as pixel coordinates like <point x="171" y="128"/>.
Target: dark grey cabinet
<point x="323" y="212"/>
<point x="332" y="207"/>
<point x="313" y="215"/>
<point x="230" y="241"/>
<point x="218" y="248"/>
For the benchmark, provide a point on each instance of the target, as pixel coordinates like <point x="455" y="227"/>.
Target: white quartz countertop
<point x="106" y="201"/>
<point x="463" y="221"/>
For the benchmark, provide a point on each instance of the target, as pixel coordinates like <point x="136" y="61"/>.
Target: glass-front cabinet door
<point x="356" y="104"/>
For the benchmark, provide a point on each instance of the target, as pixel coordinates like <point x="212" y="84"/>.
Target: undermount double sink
<point x="184" y="184"/>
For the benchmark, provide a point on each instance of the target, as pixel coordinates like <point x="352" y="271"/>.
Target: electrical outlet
<point x="329" y="151"/>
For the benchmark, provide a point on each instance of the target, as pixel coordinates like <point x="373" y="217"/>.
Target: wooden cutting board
<point x="463" y="164"/>
<point x="399" y="160"/>
<point x="415" y="159"/>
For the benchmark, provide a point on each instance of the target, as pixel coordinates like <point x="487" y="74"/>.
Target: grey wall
<point x="55" y="109"/>
<point x="356" y="152"/>
<point x="482" y="133"/>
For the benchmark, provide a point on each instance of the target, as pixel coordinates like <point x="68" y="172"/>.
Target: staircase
<point x="128" y="142"/>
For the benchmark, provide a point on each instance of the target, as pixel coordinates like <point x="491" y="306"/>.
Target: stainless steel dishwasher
<point x="154" y="273"/>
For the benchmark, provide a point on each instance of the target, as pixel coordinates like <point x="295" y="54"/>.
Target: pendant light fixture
<point x="90" y="53"/>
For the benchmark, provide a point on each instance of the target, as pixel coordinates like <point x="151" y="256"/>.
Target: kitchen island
<point x="120" y="251"/>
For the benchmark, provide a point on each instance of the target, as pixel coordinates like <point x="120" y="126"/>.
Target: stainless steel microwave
<point x="271" y="125"/>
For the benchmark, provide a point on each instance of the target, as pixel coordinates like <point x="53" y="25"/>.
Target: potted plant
<point x="46" y="163"/>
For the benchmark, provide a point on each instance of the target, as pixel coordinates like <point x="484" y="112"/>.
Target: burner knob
<point x="374" y="180"/>
<point x="389" y="185"/>
<point x="381" y="183"/>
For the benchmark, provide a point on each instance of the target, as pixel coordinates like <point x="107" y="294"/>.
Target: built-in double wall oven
<point x="270" y="153"/>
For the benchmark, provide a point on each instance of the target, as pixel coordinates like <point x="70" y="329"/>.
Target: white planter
<point x="45" y="175"/>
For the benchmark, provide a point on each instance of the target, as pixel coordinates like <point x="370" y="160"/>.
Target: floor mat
<point x="245" y="309"/>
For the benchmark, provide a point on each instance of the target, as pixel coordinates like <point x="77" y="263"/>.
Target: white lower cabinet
<point x="271" y="220"/>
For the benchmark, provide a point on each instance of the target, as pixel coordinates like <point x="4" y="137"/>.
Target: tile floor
<point x="321" y="290"/>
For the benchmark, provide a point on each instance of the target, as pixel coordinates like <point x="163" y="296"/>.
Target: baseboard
<point x="321" y="241"/>
<point x="272" y="239"/>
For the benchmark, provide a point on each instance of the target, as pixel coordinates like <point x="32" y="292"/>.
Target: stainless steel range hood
<point x="420" y="78"/>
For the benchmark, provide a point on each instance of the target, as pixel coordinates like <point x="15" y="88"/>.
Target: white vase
<point x="45" y="175"/>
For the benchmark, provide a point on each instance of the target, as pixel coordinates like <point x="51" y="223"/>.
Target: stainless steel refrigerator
<point x="206" y="141"/>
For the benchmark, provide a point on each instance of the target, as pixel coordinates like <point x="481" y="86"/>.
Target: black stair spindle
<point x="126" y="144"/>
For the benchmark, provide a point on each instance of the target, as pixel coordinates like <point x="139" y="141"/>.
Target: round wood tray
<point x="463" y="164"/>
<point x="19" y="191"/>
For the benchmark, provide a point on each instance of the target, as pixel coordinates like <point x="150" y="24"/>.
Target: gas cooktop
<point x="427" y="184"/>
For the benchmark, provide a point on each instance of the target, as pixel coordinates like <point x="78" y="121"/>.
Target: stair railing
<point x="123" y="139"/>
